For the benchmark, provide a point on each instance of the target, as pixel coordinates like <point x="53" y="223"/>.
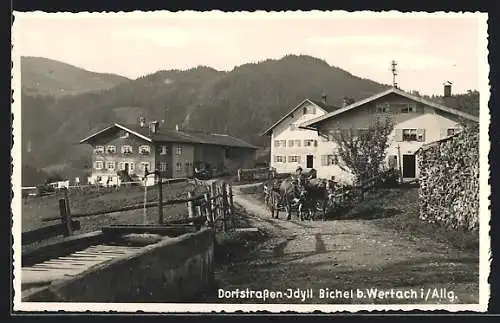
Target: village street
<point x="346" y="255"/>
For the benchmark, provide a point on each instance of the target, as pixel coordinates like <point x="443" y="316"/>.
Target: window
<point x="163" y="150"/>
<point x="409" y="108"/>
<point x="111" y="166"/>
<point x="144" y="166"/>
<point x="382" y="108"/>
<point x="315" y="143"/>
<point x="111" y="149"/>
<point x="452" y="131"/>
<point x="283" y="143"/>
<point x="131" y="166"/>
<point x="308" y="142"/>
<point x="178" y="166"/>
<point x="304" y="110"/>
<point x="163" y="167"/>
<point x="297" y="143"/>
<point x="178" y="150"/>
<point x="99" y="164"/>
<point x="294" y="159"/>
<point x="290" y="143"/>
<point x="99" y="149"/>
<point x="276" y="143"/>
<point x="409" y="134"/>
<point x="126" y="149"/>
<point x="124" y="134"/>
<point x="279" y="159"/>
<point x="327" y="160"/>
<point x="144" y="149"/>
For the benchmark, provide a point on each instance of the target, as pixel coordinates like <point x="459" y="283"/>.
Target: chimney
<point x="153" y="127"/>
<point x="142" y="122"/>
<point x="447" y="89"/>
<point x="323" y="98"/>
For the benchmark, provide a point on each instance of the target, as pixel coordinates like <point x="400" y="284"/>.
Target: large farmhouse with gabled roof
<point x="174" y="153"/>
<point x="292" y="146"/>
<point x="416" y="121"/>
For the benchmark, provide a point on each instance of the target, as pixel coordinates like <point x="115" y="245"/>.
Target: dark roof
<point x="182" y="136"/>
<point x="327" y="108"/>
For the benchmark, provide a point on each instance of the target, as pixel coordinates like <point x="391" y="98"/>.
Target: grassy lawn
<point x="397" y="209"/>
<point x="36" y="208"/>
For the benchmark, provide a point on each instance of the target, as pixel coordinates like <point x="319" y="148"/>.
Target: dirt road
<point x="333" y="258"/>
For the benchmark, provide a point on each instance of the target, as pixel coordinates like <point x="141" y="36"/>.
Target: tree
<point x="362" y="151"/>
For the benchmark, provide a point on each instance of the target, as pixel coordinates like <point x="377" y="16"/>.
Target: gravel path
<point x="343" y="256"/>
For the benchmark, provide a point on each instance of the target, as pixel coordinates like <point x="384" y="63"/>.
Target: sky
<point x="429" y="49"/>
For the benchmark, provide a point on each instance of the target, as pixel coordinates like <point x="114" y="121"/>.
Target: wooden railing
<point x="212" y="208"/>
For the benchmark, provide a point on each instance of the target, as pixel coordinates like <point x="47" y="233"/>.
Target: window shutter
<point x="421" y="133"/>
<point x="398" y="135"/>
<point x="444" y="132"/>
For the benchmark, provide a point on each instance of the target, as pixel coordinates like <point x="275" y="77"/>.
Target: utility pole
<point x="394" y="73"/>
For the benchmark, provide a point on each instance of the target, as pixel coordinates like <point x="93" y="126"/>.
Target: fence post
<point x="224" y="206"/>
<point x="239" y="174"/>
<point x="160" y="201"/>
<point x="66" y="200"/>
<point x="66" y="220"/>
<point x="213" y="202"/>
<point x="230" y="204"/>
<point x="190" y="205"/>
<point x="208" y="209"/>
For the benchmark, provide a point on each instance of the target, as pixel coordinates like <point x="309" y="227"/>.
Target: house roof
<point x="321" y="105"/>
<point x="314" y="122"/>
<point x="181" y="136"/>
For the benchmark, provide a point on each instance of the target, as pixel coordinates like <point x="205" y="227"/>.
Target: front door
<point x="409" y="166"/>
<point x="126" y="168"/>
<point x="309" y="161"/>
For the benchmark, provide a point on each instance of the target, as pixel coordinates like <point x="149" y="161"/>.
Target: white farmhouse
<point x="292" y="146"/>
<point x="416" y="122"/>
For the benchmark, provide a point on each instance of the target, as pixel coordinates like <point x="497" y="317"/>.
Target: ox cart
<point x="310" y="199"/>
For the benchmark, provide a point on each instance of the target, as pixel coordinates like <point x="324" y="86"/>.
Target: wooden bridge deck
<point x="71" y="265"/>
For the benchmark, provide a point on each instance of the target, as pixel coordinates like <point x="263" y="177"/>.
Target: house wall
<point x="285" y="131"/>
<point x="164" y="158"/>
<point x="134" y="158"/>
<point x="212" y="155"/>
<point x="240" y="158"/>
<point x="182" y="164"/>
<point x="425" y="117"/>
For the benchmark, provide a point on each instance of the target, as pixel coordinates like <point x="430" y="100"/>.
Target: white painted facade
<point x="426" y="123"/>
<point x="290" y="145"/>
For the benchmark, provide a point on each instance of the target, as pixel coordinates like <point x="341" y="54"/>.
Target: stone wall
<point x="449" y="181"/>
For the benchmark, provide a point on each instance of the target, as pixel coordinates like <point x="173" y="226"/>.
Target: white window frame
<point x="144" y="149"/>
<point x="308" y="142"/>
<point x="99" y="149"/>
<point x="279" y="159"/>
<point x="163" y="166"/>
<point x="131" y="166"/>
<point x="178" y="150"/>
<point x="412" y="131"/>
<point x="111" y="149"/>
<point x="291" y="143"/>
<point x="163" y="150"/>
<point x="144" y="164"/>
<point x="409" y="108"/>
<point x="293" y="159"/>
<point x="298" y="143"/>
<point x="283" y="143"/>
<point x="99" y="162"/>
<point x="125" y="150"/>
<point x="453" y="130"/>
<point x="112" y="164"/>
<point x="178" y="166"/>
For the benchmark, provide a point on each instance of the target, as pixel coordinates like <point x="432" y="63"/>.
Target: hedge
<point x="449" y="181"/>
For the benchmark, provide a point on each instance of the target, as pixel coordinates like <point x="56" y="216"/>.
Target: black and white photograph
<point x="250" y="161"/>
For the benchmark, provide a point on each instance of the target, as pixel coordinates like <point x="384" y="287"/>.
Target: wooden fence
<point x="214" y="209"/>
